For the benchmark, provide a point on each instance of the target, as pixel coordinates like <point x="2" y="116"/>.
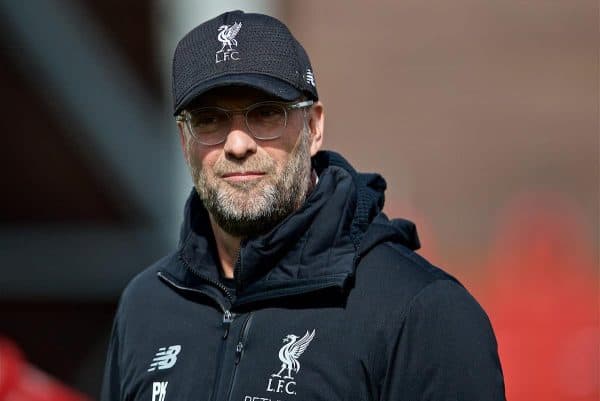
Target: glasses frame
<point x="186" y="117"/>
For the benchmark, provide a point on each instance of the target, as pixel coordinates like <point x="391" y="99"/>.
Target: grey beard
<point x="241" y="213"/>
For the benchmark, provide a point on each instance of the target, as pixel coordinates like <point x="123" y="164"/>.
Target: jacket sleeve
<point x="445" y="350"/>
<point x="111" y="384"/>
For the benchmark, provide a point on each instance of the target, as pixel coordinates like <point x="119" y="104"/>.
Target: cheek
<point x="282" y="150"/>
<point x="279" y="157"/>
<point x="201" y="159"/>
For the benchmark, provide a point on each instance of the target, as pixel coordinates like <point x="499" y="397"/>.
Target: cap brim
<point x="271" y="85"/>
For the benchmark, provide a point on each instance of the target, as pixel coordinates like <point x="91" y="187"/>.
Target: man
<point x="289" y="282"/>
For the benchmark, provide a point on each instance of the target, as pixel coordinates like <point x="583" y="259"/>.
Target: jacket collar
<point x="317" y="246"/>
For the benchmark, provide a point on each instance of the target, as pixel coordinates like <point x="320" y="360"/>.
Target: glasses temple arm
<point x="301" y="105"/>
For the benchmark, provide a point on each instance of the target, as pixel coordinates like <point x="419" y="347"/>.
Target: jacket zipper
<point x="228" y="318"/>
<point x="239" y="352"/>
<point x="208" y="279"/>
<point x="224" y="308"/>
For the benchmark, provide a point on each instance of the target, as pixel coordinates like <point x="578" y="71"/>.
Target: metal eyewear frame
<point x="186" y="117"/>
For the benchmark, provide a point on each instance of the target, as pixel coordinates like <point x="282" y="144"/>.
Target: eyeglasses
<point x="264" y="120"/>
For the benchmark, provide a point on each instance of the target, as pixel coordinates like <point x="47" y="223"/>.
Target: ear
<point x="183" y="141"/>
<point x="316" y="124"/>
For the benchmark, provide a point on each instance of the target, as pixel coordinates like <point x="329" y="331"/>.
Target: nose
<point x="239" y="143"/>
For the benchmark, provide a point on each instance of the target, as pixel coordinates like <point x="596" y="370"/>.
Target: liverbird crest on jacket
<point x="291" y="351"/>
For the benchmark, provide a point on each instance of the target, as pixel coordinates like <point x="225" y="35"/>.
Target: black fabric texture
<point x="382" y="323"/>
<point x="267" y="57"/>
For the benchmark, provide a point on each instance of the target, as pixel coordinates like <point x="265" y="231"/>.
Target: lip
<point x="245" y="176"/>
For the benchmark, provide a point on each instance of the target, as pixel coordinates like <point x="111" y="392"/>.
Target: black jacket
<point x="330" y="305"/>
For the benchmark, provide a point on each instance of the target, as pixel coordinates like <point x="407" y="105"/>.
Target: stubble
<point x="247" y="209"/>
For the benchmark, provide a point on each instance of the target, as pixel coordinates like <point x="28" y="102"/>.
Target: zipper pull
<point x="238" y="352"/>
<point x="227" y="319"/>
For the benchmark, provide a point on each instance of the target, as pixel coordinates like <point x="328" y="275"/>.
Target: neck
<point x="228" y="248"/>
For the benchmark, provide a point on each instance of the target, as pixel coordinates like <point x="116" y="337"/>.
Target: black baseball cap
<point x="241" y="49"/>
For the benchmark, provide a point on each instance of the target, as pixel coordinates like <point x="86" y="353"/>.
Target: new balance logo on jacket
<point x="165" y="358"/>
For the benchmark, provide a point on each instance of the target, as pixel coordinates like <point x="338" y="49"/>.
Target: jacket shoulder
<point x="397" y="271"/>
<point x="434" y="325"/>
<point x="144" y="284"/>
<point x="405" y="280"/>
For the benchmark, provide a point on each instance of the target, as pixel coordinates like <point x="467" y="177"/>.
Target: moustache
<point x="252" y="164"/>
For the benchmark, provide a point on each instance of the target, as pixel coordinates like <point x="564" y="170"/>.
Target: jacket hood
<point x="315" y="247"/>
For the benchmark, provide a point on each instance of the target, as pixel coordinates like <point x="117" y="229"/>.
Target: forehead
<point x="231" y="97"/>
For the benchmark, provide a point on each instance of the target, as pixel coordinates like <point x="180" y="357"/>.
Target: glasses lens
<point x="266" y="121"/>
<point x="209" y="125"/>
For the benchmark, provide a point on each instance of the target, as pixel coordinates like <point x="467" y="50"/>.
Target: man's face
<point x="249" y="185"/>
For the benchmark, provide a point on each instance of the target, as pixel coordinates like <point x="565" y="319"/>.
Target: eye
<point x="205" y="119"/>
<point x="267" y="113"/>
<point x="208" y="119"/>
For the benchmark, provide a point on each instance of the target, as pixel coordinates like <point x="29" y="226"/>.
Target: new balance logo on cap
<point x="310" y="78"/>
<point x="165" y="358"/>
